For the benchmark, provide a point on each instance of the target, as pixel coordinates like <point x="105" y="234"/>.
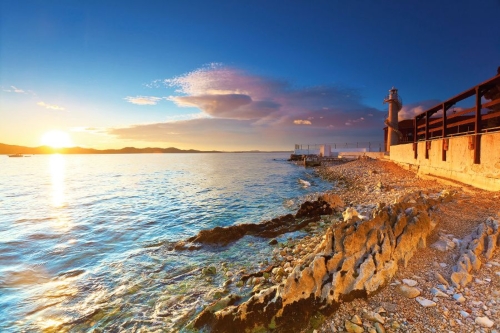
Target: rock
<point x="373" y="317"/>
<point x="353" y="328"/>
<point x="441" y="279"/>
<point x="355" y="259"/>
<point x="407" y="291"/>
<point x="379" y="328"/>
<point x="334" y="200"/>
<point x="210" y="270"/>
<point x="425" y="302"/>
<point x="459" y="298"/>
<point x="440" y="245"/>
<point x="356" y="320"/>
<point x="349" y="214"/>
<point x="314" y="209"/>
<point x="273" y="241"/>
<point x="438" y="293"/>
<point x="464" y="314"/>
<point x="409" y="282"/>
<point x="484" y="322"/>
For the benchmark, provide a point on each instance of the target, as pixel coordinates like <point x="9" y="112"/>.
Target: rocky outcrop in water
<point x="309" y="211"/>
<point x="355" y="259"/>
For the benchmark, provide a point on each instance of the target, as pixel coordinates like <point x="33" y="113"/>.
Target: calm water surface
<point x="84" y="238"/>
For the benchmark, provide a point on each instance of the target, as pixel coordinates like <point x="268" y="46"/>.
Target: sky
<point x="233" y="75"/>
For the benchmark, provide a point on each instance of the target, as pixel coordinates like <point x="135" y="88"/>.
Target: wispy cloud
<point x="50" y="106"/>
<point x="143" y="100"/>
<point x="302" y="122"/>
<point x="242" y="106"/>
<point x="14" y="89"/>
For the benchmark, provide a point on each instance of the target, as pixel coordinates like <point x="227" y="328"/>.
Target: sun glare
<point x="56" y="139"/>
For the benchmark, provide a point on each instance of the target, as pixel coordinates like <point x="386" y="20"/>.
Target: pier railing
<point x="370" y="146"/>
<point x="473" y="121"/>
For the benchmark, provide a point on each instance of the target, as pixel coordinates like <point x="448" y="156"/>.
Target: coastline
<point x="363" y="184"/>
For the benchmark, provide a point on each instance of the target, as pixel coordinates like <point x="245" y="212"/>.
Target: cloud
<point x="143" y="100"/>
<point x="411" y="110"/>
<point x="50" y="106"/>
<point x="302" y="122"/>
<point x="243" y="106"/>
<point x="15" y="90"/>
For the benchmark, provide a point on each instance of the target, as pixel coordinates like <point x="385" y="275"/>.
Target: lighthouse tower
<point x="395" y="105"/>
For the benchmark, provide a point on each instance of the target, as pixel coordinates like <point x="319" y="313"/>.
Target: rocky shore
<point x="386" y="252"/>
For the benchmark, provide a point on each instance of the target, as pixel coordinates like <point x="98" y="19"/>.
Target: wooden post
<point x="415" y="139"/>
<point x="444" y="132"/>
<point x="477" y="128"/>
<point x="426" y="134"/>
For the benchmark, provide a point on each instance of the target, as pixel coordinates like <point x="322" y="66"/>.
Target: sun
<point x="57" y="139"/>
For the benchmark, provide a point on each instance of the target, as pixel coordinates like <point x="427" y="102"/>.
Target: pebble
<point x="410" y="282"/>
<point x="356" y="320"/>
<point x="438" y="293"/>
<point x="407" y="291"/>
<point x="353" y="328"/>
<point x="425" y="302"/>
<point x="484" y="322"/>
<point x="464" y="314"/>
<point x="459" y="298"/>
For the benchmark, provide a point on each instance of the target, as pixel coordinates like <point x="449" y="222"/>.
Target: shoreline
<point x="362" y="184"/>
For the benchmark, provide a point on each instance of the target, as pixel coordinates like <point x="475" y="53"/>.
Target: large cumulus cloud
<point x="241" y="106"/>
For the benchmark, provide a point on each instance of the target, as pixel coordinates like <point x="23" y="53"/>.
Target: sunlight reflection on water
<point x="84" y="236"/>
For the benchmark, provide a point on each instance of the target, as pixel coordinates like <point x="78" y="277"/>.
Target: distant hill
<point x="13" y="149"/>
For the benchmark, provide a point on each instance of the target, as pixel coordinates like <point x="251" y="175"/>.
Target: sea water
<point x="86" y="240"/>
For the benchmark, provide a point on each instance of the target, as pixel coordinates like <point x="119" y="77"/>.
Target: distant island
<point x="6" y="149"/>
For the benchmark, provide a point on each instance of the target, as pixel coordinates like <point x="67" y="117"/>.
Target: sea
<point x="86" y="240"/>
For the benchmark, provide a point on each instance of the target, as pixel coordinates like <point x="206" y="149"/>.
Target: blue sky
<point x="231" y="75"/>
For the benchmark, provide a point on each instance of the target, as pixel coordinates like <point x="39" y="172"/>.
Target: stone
<point x="353" y="328"/>
<point x="407" y="291"/>
<point x="410" y="282"/>
<point x="273" y="241"/>
<point x="441" y="279"/>
<point x="373" y="317"/>
<point x="349" y="214"/>
<point x="379" y="328"/>
<point x="484" y="322"/>
<point x="438" y="293"/>
<point x="334" y="200"/>
<point x="356" y="320"/>
<point x="425" y="302"/>
<point x="440" y="245"/>
<point x="459" y="298"/>
<point x="464" y="314"/>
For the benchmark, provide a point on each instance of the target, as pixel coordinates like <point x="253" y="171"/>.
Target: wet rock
<point x="273" y="241"/>
<point x="314" y="209"/>
<point x="210" y="270"/>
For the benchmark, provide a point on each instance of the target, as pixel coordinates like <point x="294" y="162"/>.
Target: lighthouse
<point x="395" y="105"/>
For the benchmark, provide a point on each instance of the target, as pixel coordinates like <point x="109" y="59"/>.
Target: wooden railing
<point x="469" y="121"/>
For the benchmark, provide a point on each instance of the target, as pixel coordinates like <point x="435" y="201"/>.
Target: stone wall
<point x="459" y="164"/>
